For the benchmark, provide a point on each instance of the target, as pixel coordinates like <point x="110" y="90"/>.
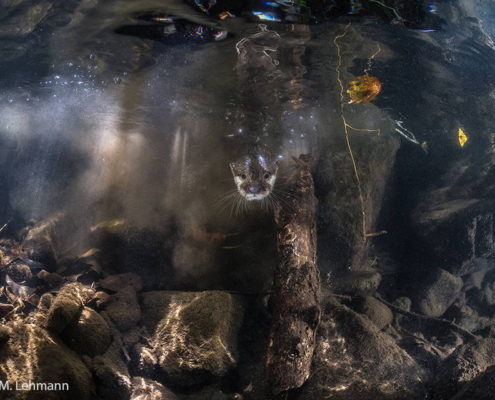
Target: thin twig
<point x="450" y="324"/>
<point x="347" y="126"/>
<point x="5" y="225"/>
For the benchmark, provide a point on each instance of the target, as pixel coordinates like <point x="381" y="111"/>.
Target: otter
<point x="271" y="125"/>
<point x="255" y="166"/>
<point x="255" y="175"/>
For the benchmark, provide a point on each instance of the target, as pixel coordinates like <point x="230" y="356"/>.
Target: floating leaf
<point x="462" y="137"/>
<point x="424" y="146"/>
<point x="364" y="89"/>
<point x="355" y="7"/>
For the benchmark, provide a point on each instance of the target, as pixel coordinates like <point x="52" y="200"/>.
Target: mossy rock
<point x="194" y="334"/>
<point x="67" y="306"/>
<point x="32" y="355"/>
<point x="90" y="335"/>
<point x="123" y="309"/>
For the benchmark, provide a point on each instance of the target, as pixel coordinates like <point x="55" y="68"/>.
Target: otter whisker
<point x="223" y="207"/>
<point x="238" y="206"/>
<point x="224" y="201"/>
<point x="228" y="194"/>
<point x="233" y="204"/>
<point x="280" y="199"/>
<point x="280" y="191"/>
<point x="269" y="204"/>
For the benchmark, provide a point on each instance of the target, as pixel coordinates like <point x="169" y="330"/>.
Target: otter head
<point x="254" y="175"/>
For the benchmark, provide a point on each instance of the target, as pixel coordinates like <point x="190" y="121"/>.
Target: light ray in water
<point x="177" y="166"/>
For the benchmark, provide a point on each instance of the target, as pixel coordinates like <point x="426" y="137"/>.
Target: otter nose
<point x="254" y="189"/>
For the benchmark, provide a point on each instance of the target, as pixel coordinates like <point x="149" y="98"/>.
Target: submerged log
<point x="296" y="289"/>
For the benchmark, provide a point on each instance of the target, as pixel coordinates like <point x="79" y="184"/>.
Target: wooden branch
<point x="441" y="321"/>
<point x="445" y="323"/>
<point x="296" y="290"/>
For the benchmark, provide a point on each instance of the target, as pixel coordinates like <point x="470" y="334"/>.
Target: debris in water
<point x="4" y="226"/>
<point x="225" y="15"/>
<point x="364" y="89"/>
<point x="355" y="7"/>
<point x="264" y="16"/>
<point x="22" y="291"/>
<point x="405" y="133"/>
<point x="462" y="137"/>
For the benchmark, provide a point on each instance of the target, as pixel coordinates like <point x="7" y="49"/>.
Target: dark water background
<point x="101" y="125"/>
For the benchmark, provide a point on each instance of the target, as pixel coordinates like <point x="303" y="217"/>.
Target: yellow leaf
<point x="364" y="89"/>
<point x="462" y="137"/>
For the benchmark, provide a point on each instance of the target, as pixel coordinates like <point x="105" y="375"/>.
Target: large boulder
<point x="355" y="360"/>
<point x="193" y="334"/>
<point x="31" y="354"/>
<point x="481" y="388"/>
<point x="438" y="292"/>
<point x="467" y="363"/>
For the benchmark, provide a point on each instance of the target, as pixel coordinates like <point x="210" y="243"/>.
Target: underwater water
<point x="120" y="126"/>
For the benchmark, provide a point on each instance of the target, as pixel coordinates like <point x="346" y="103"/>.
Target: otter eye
<point x="243" y="176"/>
<point x="266" y="176"/>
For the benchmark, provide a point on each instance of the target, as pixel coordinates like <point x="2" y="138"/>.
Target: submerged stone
<point x="67" y="306"/>
<point x="481" y="388"/>
<point x="467" y="363"/>
<point x="51" y="279"/>
<point x="438" y="293"/>
<point x="376" y="311"/>
<point x="194" y="334"/>
<point x="123" y="309"/>
<point x="89" y="335"/>
<point x="19" y="272"/>
<point x="120" y="281"/>
<point x="357" y="283"/>
<point x="112" y="377"/>
<point x="143" y="388"/>
<point x="355" y="360"/>
<point x="33" y="355"/>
